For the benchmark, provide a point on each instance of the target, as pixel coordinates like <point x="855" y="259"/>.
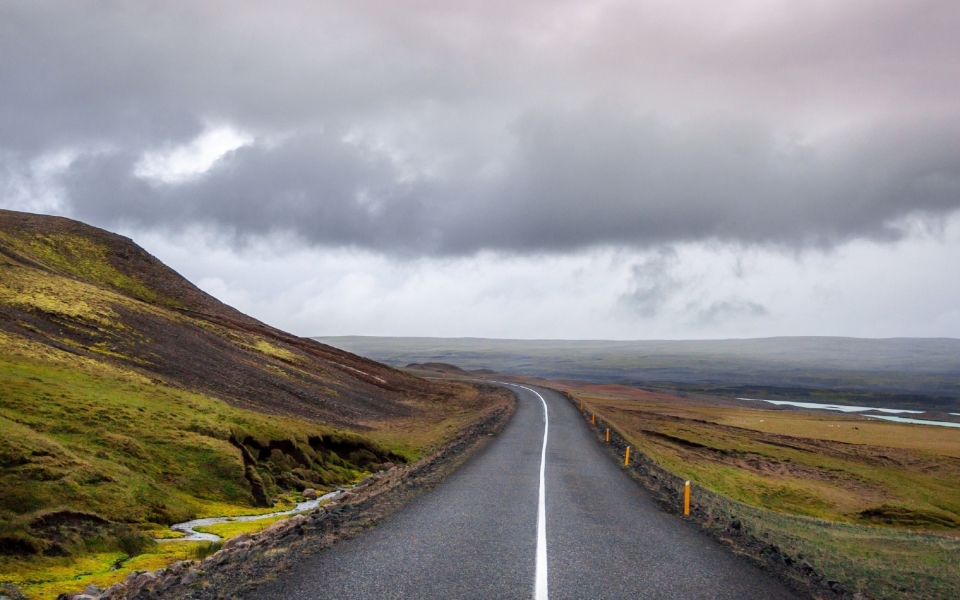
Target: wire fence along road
<point x="524" y="519"/>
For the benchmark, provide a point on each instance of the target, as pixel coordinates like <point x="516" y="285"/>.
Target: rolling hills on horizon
<point x="895" y="371"/>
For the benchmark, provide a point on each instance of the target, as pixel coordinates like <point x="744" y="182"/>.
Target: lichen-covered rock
<point x="235" y="541"/>
<point x="116" y="591"/>
<point x="191" y="577"/>
<point x="166" y="583"/>
<point x="131" y="576"/>
<point x="143" y="580"/>
<point x="281" y="526"/>
<point x="181" y="566"/>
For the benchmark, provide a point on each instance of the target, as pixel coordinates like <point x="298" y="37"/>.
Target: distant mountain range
<point x="896" y="371"/>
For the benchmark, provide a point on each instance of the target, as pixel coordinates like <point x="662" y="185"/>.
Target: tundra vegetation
<point x="873" y="504"/>
<point x="130" y="400"/>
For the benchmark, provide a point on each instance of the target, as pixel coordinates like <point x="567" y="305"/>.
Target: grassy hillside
<point x="905" y="372"/>
<point x="835" y="467"/>
<point x="130" y="400"/>
<point x="117" y="444"/>
<point x="98" y="295"/>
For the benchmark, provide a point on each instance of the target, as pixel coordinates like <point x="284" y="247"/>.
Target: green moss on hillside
<point x="82" y="436"/>
<point x="80" y="257"/>
<point x="59" y="298"/>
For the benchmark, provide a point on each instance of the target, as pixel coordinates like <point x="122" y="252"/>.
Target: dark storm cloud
<point x="528" y="126"/>
<point x="311" y="185"/>
<point x="602" y="175"/>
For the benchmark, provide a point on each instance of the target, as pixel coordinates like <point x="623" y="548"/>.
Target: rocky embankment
<point x="246" y="560"/>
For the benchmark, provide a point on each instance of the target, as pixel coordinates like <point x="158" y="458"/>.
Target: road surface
<point x="484" y="532"/>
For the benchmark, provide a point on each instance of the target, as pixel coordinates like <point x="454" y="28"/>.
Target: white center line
<point x="540" y="588"/>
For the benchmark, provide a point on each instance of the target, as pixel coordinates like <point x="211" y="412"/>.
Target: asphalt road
<point x="476" y="535"/>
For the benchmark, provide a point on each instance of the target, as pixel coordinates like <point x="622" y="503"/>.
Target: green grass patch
<point x="159" y="532"/>
<point x="81" y="257"/>
<point x="882" y="562"/>
<point x="265" y="347"/>
<point x="205" y="549"/>
<point x="837" y="477"/>
<point x="234" y="528"/>
<point x="126" y="449"/>
<point x="45" y="578"/>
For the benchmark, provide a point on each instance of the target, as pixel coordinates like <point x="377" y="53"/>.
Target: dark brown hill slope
<point x="87" y="291"/>
<point x="132" y="397"/>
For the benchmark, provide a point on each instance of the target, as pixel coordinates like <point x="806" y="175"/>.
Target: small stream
<point x="187" y="527"/>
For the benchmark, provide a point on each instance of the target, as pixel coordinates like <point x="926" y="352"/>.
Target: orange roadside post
<point x="686" y="498"/>
<point x="593" y="419"/>
<point x="608" y="435"/>
<point x="626" y="458"/>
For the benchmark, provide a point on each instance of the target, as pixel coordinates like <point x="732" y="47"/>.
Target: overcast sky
<point x="580" y="169"/>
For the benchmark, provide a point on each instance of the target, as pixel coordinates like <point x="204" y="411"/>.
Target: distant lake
<point x="839" y="407"/>
<point x="915" y="421"/>
<point x="860" y="409"/>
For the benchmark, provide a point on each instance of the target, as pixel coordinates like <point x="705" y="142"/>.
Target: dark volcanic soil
<point x="174" y="332"/>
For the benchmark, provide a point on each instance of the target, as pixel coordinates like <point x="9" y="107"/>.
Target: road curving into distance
<point x="542" y="512"/>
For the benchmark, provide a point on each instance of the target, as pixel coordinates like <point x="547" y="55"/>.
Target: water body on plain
<point x="863" y="409"/>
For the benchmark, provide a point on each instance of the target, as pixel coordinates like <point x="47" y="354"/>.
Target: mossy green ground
<point x="882" y="562"/>
<point x="83" y="258"/>
<point x="121" y="446"/>
<point x="834" y="467"/>
<point x="45" y="578"/>
<point x="233" y="528"/>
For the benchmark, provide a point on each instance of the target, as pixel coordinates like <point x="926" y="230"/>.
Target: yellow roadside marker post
<point x="686" y="499"/>
<point x="593" y="419"/>
<point x="608" y="435"/>
<point x="626" y="458"/>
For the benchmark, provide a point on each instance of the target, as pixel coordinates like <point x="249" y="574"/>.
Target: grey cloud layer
<point x="447" y="129"/>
